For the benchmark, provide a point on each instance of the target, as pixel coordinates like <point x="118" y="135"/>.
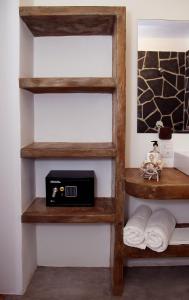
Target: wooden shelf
<point x="38" y="212"/>
<point x="61" y="150"/>
<point x="171" y="251"/>
<point x="173" y="184"/>
<point x="68" y="85"/>
<point x="74" y="20"/>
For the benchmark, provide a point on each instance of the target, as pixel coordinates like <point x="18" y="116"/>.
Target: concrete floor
<point x="156" y="283"/>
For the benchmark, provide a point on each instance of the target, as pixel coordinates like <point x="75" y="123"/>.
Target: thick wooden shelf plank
<point x="61" y="150"/>
<point x="68" y="85"/>
<point x="38" y="212"/>
<point x="171" y="251"/>
<point x="75" y="20"/>
<point x="173" y="184"/>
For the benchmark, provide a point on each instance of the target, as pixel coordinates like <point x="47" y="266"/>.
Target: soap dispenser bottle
<point x="154" y="155"/>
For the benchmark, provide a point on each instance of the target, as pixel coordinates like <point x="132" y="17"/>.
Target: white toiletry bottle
<point x="166" y="146"/>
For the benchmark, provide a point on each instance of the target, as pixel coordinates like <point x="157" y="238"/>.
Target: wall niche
<point x="163" y="79"/>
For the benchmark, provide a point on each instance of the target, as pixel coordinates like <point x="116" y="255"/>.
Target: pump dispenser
<point x="154" y="155"/>
<point x="152" y="166"/>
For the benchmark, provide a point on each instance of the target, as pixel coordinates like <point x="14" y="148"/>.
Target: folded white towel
<point x="159" y="230"/>
<point x="133" y="234"/>
<point x="180" y="236"/>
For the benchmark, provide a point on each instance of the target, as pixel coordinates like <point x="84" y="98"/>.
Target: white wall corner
<point x="26" y="2"/>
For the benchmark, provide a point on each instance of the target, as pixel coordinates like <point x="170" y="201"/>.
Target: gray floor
<point x="170" y="283"/>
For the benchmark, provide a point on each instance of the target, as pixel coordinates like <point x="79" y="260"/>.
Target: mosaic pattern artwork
<point x="186" y="104"/>
<point x="163" y="90"/>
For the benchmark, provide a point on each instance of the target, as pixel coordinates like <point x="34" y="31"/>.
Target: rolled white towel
<point x="133" y="233"/>
<point x="159" y="230"/>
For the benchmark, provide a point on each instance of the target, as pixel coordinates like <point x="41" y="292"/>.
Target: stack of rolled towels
<point x="155" y="230"/>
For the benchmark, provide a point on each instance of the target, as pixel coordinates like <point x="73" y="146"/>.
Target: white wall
<point x="26" y="2"/>
<point x="163" y="44"/>
<point x="75" y="117"/>
<point x="65" y="118"/>
<point x="84" y="56"/>
<point x="10" y="188"/>
<point x="29" y="261"/>
<point x="73" y="245"/>
<point x="17" y="247"/>
<point x="163" y="35"/>
<point x="80" y="2"/>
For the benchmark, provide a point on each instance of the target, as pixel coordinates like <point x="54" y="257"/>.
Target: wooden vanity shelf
<point x="173" y="185"/>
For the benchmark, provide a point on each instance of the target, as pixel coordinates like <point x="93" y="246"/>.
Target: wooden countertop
<point x="173" y="184"/>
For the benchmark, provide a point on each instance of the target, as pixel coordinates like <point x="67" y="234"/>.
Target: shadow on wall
<point x="163" y="90"/>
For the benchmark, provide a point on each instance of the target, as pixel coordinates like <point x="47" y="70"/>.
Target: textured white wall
<point x="162" y="35"/>
<point x="26" y="2"/>
<point x="84" y="56"/>
<point x="29" y="262"/>
<point x="75" y="117"/>
<point x="10" y="188"/>
<point x="72" y="245"/>
<point x="163" y="44"/>
<point x="80" y="2"/>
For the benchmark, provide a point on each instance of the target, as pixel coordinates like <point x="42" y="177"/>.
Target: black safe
<point x="70" y="188"/>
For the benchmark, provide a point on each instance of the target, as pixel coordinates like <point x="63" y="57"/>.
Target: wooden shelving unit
<point x="62" y="150"/>
<point x="63" y="21"/>
<point x="102" y="212"/>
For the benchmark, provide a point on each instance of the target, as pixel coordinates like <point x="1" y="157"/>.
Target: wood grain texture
<point x="118" y="137"/>
<point x="68" y="85"/>
<point x="38" y="212"/>
<point x="61" y="150"/>
<point x="173" y="184"/>
<point x="171" y="251"/>
<point x="61" y="20"/>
